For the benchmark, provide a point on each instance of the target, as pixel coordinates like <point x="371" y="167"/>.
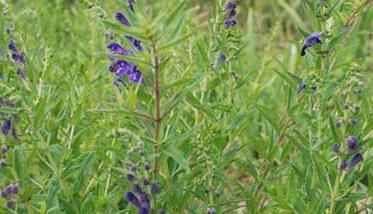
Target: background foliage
<point x="234" y="137"/>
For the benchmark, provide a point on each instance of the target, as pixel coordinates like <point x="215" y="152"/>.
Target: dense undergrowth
<point x="195" y="106"/>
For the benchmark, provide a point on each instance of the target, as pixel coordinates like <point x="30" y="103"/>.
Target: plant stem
<point x="158" y="118"/>
<point x="334" y="194"/>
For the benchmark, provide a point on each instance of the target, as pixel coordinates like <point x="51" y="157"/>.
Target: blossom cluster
<point x="8" y="120"/>
<point x="17" y="57"/>
<point x="10" y="192"/>
<point x="230" y="19"/>
<point x="123" y="68"/>
<point x="142" y="187"/>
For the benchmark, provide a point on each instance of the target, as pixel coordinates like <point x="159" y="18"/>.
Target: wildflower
<point x="335" y="148"/>
<point x="222" y="57"/>
<point x="351" y="142"/>
<point x="162" y="212"/>
<point x="3" y="163"/>
<point x="12" y="46"/>
<point x="136" y="188"/>
<point x="346" y="106"/>
<point x="116" y="48"/>
<point x="147" y="166"/>
<point x="144" y="210"/>
<point x="302" y="86"/>
<point x="339" y="123"/>
<point x="145" y="200"/>
<point x="14" y="188"/>
<point x="353" y="122"/>
<point x="6" y="127"/>
<point x="3" y="194"/>
<point x="312" y="39"/>
<point x="4" y="149"/>
<point x="135" y="75"/>
<point x="122" y="19"/>
<point x="230" y="6"/>
<point x="355" y="160"/>
<point x="130" y="177"/>
<point x="145" y="181"/>
<point x="10" y="204"/>
<point x="343" y="165"/>
<point x="154" y="189"/>
<point x="230" y="21"/>
<point x="131" y="197"/>
<point x="17" y="57"/>
<point x="136" y="43"/>
<point x="131" y="5"/>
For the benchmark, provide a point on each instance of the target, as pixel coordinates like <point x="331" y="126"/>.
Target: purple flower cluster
<point x="7" y="125"/>
<point x="311" y="40"/>
<point x="9" y="193"/>
<point x="123" y="68"/>
<point x="131" y="5"/>
<point x="3" y="153"/>
<point x="138" y="195"/>
<point x="352" y="146"/>
<point x="17" y="57"/>
<point x="230" y="20"/>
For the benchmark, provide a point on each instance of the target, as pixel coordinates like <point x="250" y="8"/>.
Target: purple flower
<point x="144" y="210"/>
<point x="122" y="19"/>
<point x="3" y="194"/>
<point x="116" y="48"/>
<point x="136" y="188"/>
<point x="136" y="43"/>
<point x="355" y="160"/>
<point x="4" y="149"/>
<point x="130" y="177"/>
<point x="351" y="142"/>
<point x="14" y="188"/>
<point x="3" y="163"/>
<point x="312" y="39"/>
<point x="230" y="5"/>
<point x="231" y="14"/>
<point x="145" y="200"/>
<point x="229" y="23"/>
<point x="222" y="57"/>
<point x="343" y="165"/>
<point x="353" y="122"/>
<point x="131" y="5"/>
<point x="10" y="204"/>
<point x="17" y="57"/>
<point x="122" y="72"/>
<point x="131" y="197"/>
<point x="135" y="75"/>
<point x="335" y="148"/>
<point x="147" y="166"/>
<point x="339" y="123"/>
<point x="6" y="127"/>
<point x="162" y="212"/>
<point x="145" y="181"/>
<point x="154" y="189"/>
<point x="12" y="46"/>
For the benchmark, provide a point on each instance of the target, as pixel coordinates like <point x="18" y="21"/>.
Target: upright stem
<point x="334" y="194"/>
<point x="158" y="118"/>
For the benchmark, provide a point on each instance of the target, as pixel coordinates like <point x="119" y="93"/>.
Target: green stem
<point x="334" y="194"/>
<point x="157" y="106"/>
